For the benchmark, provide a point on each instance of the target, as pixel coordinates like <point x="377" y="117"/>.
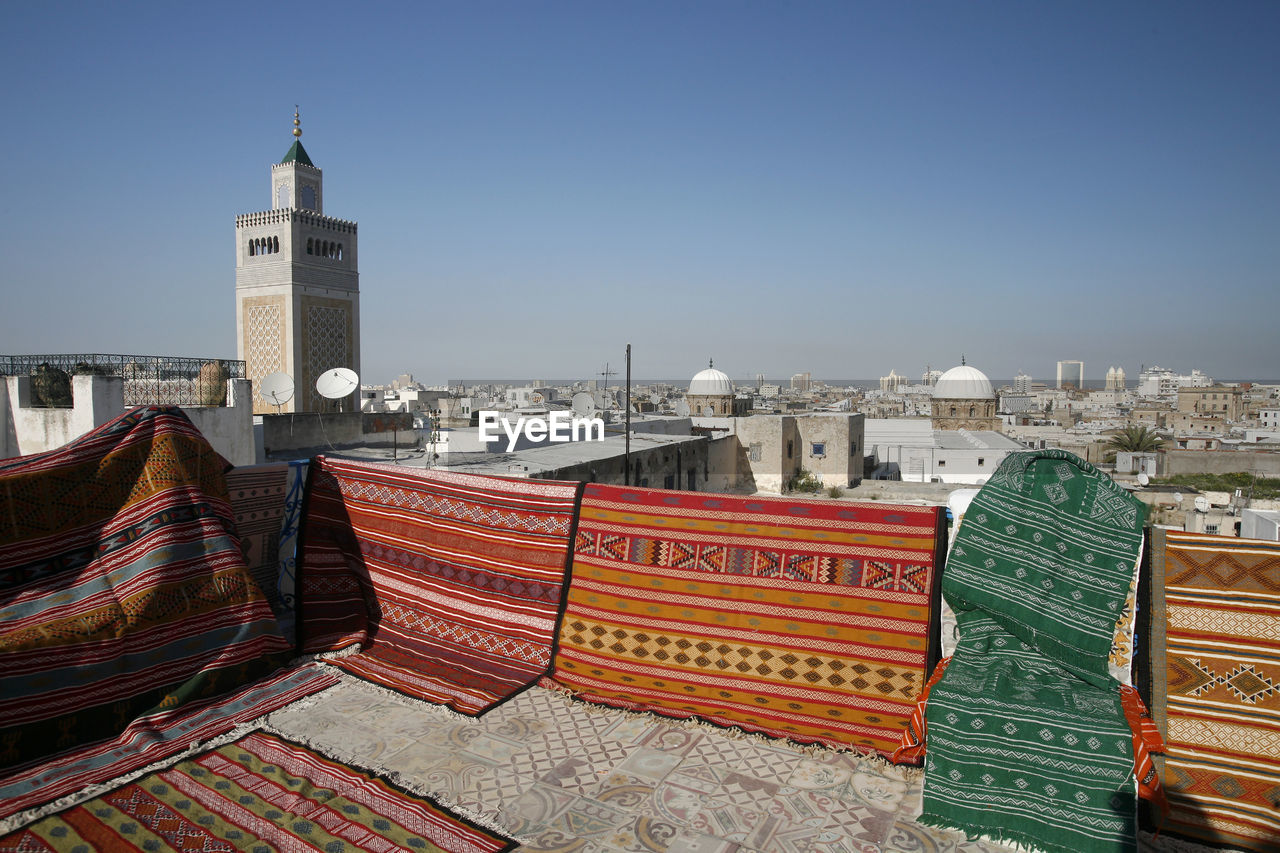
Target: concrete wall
<point x="666" y="466"/>
<point x="27" y="429"/>
<point x="1260" y="524"/>
<point x="229" y="428"/>
<point x="842" y="440"/>
<point x="98" y="399"/>
<point x="772" y="450"/>
<point x="1264" y="463"/>
<point x="287" y="434"/>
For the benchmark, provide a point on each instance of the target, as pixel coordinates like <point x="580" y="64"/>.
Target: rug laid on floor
<point x="123" y="591"/>
<point x="805" y="619"/>
<point x="1027" y="739"/>
<point x="260" y="793"/>
<point x="1216" y="686"/>
<point x="450" y="582"/>
<point x="154" y="737"/>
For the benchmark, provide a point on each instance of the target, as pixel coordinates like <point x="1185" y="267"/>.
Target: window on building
<point x="669" y="482"/>
<point x="1211" y="529"/>
<point x="981" y="461"/>
<point x="757" y="451"/>
<point x="853" y="448"/>
<point x="942" y="463"/>
<point x="790" y="449"/>
<point x="818" y="449"/>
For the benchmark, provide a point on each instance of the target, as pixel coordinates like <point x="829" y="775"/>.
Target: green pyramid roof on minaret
<point x="297" y="154"/>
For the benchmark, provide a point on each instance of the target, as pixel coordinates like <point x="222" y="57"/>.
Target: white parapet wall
<point x="27" y="429"/>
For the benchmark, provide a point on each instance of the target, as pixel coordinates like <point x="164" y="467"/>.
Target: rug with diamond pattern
<point x="450" y="582"/>
<point x="1027" y="738"/>
<point x="804" y="619"/>
<point x="1216" y="685"/>
<point x="259" y="793"/>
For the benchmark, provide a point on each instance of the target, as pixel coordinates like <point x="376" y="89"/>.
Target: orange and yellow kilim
<point x="805" y="619"/>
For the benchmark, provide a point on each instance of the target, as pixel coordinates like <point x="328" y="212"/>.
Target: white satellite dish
<point x="337" y="383"/>
<point x="583" y="404"/>
<point x="1143" y="479"/>
<point x="1202" y="503"/>
<point x="276" y="389"/>
<point x="1177" y="498"/>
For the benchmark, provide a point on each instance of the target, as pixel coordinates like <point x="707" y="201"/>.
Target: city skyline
<point x="840" y="189"/>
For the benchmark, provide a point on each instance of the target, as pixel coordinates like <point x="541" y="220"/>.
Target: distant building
<point x="1219" y="401"/>
<point x="297" y="286"/>
<point x="964" y="399"/>
<point x="711" y="394"/>
<point x="1022" y="383"/>
<point x="801" y="382"/>
<point x="893" y="381"/>
<point x="1160" y="383"/>
<point x="1071" y="373"/>
<point x="1115" y="378"/>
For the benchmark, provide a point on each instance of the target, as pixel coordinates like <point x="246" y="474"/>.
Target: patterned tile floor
<point x="562" y="776"/>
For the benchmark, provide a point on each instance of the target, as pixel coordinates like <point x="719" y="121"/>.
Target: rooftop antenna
<point x="337" y="383"/>
<point x="276" y="389"/>
<point x="606" y="373"/>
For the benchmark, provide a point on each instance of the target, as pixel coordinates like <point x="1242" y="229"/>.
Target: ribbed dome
<point x="964" y="383"/>
<point x="711" y="382"/>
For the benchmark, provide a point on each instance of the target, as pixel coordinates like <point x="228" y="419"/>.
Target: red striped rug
<point x="260" y="793"/>
<point x="450" y="582"/>
<point x="805" y="619"/>
<point x="1216" y="686"/>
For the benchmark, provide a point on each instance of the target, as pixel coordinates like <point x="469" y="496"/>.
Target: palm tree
<point x="1135" y="438"/>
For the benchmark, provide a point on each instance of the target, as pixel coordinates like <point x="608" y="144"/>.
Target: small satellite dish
<point x="1143" y="479"/>
<point x="337" y="383"/>
<point x="1202" y="503"/>
<point x="276" y="389"/>
<point x="1177" y="498"/>
<point x="583" y="404"/>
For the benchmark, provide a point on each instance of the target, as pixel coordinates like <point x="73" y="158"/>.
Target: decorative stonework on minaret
<point x="297" y="284"/>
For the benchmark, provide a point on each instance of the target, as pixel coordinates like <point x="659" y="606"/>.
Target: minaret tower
<point x="297" y="285"/>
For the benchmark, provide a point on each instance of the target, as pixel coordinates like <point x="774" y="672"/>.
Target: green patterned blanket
<point x="1027" y="740"/>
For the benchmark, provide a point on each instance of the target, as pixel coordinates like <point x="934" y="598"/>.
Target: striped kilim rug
<point x="257" y="495"/>
<point x="153" y="738"/>
<point x="123" y="591"/>
<point x="451" y="582"/>
<point x="1027" y="737"/>
<point x="1216" y="685"/>
<point x="804" y="619"/>
<point x="259" y="793"/>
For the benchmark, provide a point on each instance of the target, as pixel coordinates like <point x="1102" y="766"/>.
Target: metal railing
<point x="149" y="380"/>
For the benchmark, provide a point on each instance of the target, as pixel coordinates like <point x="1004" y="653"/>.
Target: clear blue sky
<point x="840" y="188"/>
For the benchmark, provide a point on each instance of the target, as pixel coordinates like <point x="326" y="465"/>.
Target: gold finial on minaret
<point x="297" y="123"/>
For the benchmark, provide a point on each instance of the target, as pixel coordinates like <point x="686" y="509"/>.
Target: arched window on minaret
<point x="339" y="251"/>
<point x="310" y="245"/>
<point x="251" y="252"/>
<point x="275" y="244"/>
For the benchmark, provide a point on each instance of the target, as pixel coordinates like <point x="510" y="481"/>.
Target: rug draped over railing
<point x="267" y="502"/>
<point x="123" y="591"/>
<point x="1216" y="686"/>
<point x="797" y="618"/>
<point x="1027" y="738"/>
<point x="450" y="582"/>
<point x="259" y="793"/>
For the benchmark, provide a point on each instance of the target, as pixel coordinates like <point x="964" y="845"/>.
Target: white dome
<point x="711" y="382"/>
<point x="964" y="383"/>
